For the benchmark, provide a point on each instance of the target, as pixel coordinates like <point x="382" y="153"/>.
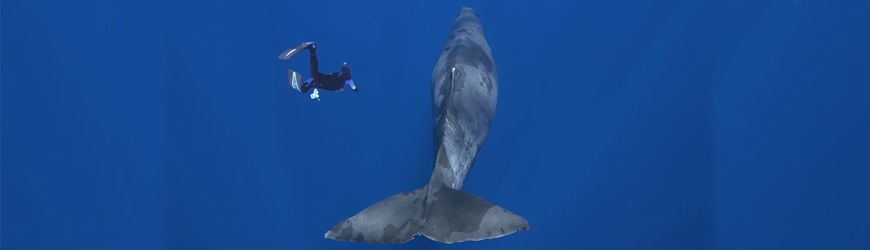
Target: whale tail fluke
<point x="456" y="216"/>
<point x="396" y="219"/>
<point x="444" y="215"/>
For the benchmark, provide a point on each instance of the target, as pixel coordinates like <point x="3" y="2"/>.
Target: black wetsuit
<point x="335" y="81"/>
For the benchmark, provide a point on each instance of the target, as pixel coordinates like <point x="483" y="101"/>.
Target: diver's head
<point x="345" y="69"/>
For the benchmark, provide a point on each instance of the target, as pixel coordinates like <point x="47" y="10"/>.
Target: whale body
<point x="465" y="91"/>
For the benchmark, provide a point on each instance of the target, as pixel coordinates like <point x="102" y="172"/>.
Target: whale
<point x="465" y="92"/>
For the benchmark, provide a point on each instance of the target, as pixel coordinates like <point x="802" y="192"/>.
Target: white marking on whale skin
<point x="463" y="120"/>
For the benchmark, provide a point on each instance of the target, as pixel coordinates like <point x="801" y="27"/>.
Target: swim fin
<point x="287" y="54"/>
<point x="294" y="79"/>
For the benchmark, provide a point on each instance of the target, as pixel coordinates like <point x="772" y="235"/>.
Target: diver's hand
<point x="315" y="95"/>
<point x="355" y="89"/>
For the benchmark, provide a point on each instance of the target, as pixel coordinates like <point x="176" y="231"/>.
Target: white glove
<point x="315" y="95"/>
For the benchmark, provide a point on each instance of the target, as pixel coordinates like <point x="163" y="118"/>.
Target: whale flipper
<point x="394" y="220"/>
<point x="456" y="216"/>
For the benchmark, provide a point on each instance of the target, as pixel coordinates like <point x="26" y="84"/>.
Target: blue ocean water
<point x="620" y="124"/>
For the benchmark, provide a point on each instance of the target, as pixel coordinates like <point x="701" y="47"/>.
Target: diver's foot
<point x="312" y="46"/>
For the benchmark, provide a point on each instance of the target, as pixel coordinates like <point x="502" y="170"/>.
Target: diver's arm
<point x="349" y="82"/>
<point x="308" y="84"/>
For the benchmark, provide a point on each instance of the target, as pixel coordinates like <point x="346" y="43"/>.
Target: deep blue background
<point x="620" y="125"/>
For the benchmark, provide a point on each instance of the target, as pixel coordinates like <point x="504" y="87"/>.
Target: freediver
<point x="335" y="81"/>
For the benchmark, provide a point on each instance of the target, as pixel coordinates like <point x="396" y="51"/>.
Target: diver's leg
<point x="308" y="84"/>
<point x="312" y="59"/>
